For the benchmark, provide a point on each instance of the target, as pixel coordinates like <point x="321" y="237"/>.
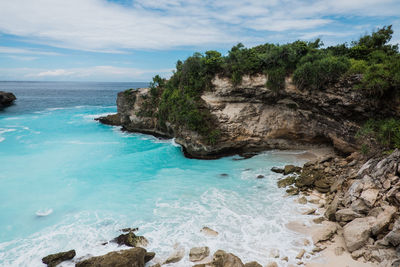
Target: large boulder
<point x="6" y="99"/>
<point x="224" y="259"/>
<point x="134" y="257"/>
<point x="357" y="232"/>
<point x="198" y="253"/>
<point x="346" y="215"/>
<point x="383" y="220"/>
<point x="55" y="259"/>
<point x="130" y="239"/>
<point x="324" y="231"/>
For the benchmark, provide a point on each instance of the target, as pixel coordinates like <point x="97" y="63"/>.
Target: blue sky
<point x="132" y="40"/>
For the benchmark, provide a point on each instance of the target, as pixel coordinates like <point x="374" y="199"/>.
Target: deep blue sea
<point x="69" y="182"/>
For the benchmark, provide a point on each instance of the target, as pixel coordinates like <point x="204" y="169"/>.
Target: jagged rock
<point x="324" y="231"/>
<point x="113" y="119"/>
<point x="208" y="231"/>
<point x="359" y="206"/>
<point x="369" y="196"/>
<point x="131" y="240"/>
<point x="357" y="232"/>
<point x="199" y="253"/>
<point x="149" y="256"/>
<point x="383" y="220"/>
<point x="300" y="254"/>
<point x="346" y="215"/>
<point x="289" y="169"/>
<point x="292" y="191"/>
<point x="277" y="170"/>
<point x="393" y="237"/>
<point x="134" y="257"/>
<point x="253" y="264"/>
<point x="6" y="99"/>
<point x="310" y="211"/>
<point x="54" y="259"/>
<point x="284" y="182"/>
<point x="322" y="185"/>
<point x="331" y="209"/>
<point x="176" y="255"/>
<point x="224" y="259"/>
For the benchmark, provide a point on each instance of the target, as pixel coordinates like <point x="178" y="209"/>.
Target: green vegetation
<point x="312" y="67"/>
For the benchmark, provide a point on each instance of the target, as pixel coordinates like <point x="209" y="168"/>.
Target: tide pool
<point x="69" y="182"/>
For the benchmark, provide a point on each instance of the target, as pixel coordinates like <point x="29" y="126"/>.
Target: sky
<point x="133" y="40"/>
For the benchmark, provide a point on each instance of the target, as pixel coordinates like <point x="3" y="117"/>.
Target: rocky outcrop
<point x="199" y="253"/>
<point x="6" y="99"/>
<point x="251" y="117"/>
<point x="55" y="259"/>
<point x="135" y="257"/>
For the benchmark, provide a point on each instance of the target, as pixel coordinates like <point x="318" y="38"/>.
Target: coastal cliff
<point x="6" y="99"/>
<point x="250" y="117"/>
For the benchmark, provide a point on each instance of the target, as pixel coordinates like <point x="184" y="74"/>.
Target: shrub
<point x="357" y="66"/>
<point x="385" y="133"/>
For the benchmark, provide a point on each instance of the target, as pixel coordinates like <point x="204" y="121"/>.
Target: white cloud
<point x="98" y="25"/>
<point x="14" y="50"/>
<point x="52" y="73"/>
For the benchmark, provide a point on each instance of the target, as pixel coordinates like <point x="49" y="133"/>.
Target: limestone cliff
<point x="251" y="117"/>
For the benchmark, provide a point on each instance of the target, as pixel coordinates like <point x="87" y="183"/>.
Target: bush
<point x="384" y="133"/>
<point x="357" y="66"/>
<point x="376" y="81"/>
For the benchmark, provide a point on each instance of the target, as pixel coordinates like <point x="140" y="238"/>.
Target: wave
<point x="44" y="213"/>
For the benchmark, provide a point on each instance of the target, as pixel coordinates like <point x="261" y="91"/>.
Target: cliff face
<point x="6" y="99"/>
<point x="251" y="117"/>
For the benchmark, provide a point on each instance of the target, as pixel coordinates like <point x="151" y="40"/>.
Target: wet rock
<point x="357" y="232"/>
<point x="134" y="257"/>
<point x="302" y="200"/>
<point x="253" y="264"/>
<point x="274" y="253"/>
<point x="113" y="119"/>
<point x="300" y="254"/>
<point x="6" y="99"/>
<point x="319" y="220"/>
<point x="310" y="211"/>
<point x="285" y="259"/>
<point x="277" y="170"/>
<point x="260" y="176"/>
<point x="272" y="264"/>
<point x="322" y="185"/>
<point x="224" y="259"/>
<point x="198" y="253"/>
<point x="289" y="169"/>
<point x="176" y="255"/>
<point x="292" y="191"/>
<point x="346" y="215"/>
<point x="130" y="239"/>
<point x="224" y="175"/>
<point x="149" y="256"/>
<point x="54" y="259"/>
<point x="208" y="231"/>
<point x="284" y="182"/>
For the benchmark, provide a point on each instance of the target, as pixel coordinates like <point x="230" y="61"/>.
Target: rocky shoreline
<point x="6" y="99"/>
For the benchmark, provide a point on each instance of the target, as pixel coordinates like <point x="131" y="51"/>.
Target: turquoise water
<point x="68" y="182"/>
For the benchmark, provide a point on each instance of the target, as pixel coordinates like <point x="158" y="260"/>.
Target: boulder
<point x="208" y="231"/>
<point x="291" y="169"/>
<point x="292" y="191"/>
<point x="357" y="232"/>
<point x="324" y="231"/>
<point x="322" y="185"/>
<point x="393" y="237"/>
<point x="383" y="220"/>
<point x="55" y="259"/>
<point x="359" y="206"/>
<point x="252" y="264"/>
<point x="130" y="239"/>
<point x="284" y="182"/>
<point x="277" y="170"/>
<point x="272" y="264"/>
<point x="331" y="209"/>
<point x="6" y="99"/>
<point x="346" y="215"/>
<point x="224" y="259"/>
<point x="134" y="257"/>
<point x="198" y="253"/>
<point x="176" y="255"/>
<point x="369" y="196"/>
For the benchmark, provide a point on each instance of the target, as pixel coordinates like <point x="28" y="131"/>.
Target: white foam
<point x="43" y="213"/>
<point x="2" y="130"/>
<point x="2" y="139"/>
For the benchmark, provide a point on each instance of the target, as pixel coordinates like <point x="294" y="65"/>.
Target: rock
<point x="393" y="237"/>
<point x="291" y="169"/>
<point x="260" y="176"/>
<point x="319" y="220"/>
<point x="156" y="265"/>
<point x="54" y="259"/>
<point x="310" y="211"/>
<point x="274" y="253"/>
<point x="6" y="99"/>
<point x="357" y="253"/>
<point x="383" y="220"/>
<point x="292" y="191"/>
<point x="339" y="251"/>
<point x="134" y="257"/>
<point x="357" y="232"/>
<point x="369" y="196"/>
<point x="324" y="231"/>
<point x="284" y="182"/>
<point x="113" y="119"/>
<point x="302" y="200"/>
<point x="208" y="231"/>
<point x="359" y="206"/>
<point x="131" y="240"/>
<point x="322" y="185"/>
<point x="331" y="209"/>
<point x="223" y="259"/>
<point x="285" y="259"/>
<point x="319" y="249"/>
<point x="149" y="256"/>
<point x="277" y="170"/>
<point x="198" y="253"/>
<point x="272" y="264"/>
<point x="253" y="264"/>
<point x="346" y="215"/>
<point x="300" y="254"/>
<point x="224" y="175"/>
<point x="176" y="255"/>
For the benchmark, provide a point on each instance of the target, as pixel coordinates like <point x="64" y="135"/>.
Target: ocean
<point x="69" y="182"/>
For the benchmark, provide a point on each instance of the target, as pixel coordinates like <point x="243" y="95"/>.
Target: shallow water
<point x="68" y="182"/>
